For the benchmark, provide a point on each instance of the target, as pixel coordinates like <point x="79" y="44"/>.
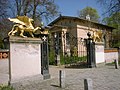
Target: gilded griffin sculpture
<point x="23" y="24"/>
<point x="97" y="36"/>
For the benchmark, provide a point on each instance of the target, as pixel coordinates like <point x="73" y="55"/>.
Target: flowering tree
<point x="89" y="11"/>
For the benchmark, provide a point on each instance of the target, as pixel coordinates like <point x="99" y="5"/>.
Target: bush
<point x="72" y="59"/>
<point x="51" y="58"/>
<point x="66" y="59"/>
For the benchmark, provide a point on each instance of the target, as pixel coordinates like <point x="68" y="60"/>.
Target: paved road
<point x="104" y="78"/>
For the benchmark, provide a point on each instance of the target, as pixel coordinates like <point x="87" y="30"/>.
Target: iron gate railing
<point x="75" y="51"/>
<point x="72" y="50"/>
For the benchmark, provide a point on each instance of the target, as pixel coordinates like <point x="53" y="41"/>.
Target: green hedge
<point x="72" y="59"/>
<point x="51" y="58"/>
<point x="66" y="59"/>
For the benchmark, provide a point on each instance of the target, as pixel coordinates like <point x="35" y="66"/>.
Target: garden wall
<point x="111" y="54"/>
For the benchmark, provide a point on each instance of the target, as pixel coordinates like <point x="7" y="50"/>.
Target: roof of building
<point x="77" y="18"/>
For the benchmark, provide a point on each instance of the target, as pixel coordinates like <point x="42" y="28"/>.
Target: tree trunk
<point x="26" y="7"/>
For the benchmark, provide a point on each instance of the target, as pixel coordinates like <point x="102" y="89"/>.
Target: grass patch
<point x="2" y="87"/>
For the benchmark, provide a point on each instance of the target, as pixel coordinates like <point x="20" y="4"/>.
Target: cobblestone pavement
<point x="104" y="77"/>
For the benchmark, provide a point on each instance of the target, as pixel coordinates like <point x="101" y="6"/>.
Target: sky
<point x="71" y="7"/>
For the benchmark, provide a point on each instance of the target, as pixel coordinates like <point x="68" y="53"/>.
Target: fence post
<point x="62" y="78"/>
<point x="44" y="58"/>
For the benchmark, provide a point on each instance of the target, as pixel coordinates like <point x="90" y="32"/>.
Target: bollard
<point x="88" y="84"/>
<point x="62" y="79"/>
<point x="116" y="64"/>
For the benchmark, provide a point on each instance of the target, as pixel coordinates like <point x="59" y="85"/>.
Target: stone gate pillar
<point x="25" y="59"/>
<point x="91" y="62"/>
<point x="99" y="52"/>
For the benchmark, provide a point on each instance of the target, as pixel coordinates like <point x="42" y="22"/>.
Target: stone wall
<point x="111" y="54"/>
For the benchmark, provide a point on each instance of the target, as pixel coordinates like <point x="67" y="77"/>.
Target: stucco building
<point x="74" y="30"/>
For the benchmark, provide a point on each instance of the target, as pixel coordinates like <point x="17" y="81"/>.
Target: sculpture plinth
<point x="99" y="52"/>
<point x="25" y="58"/>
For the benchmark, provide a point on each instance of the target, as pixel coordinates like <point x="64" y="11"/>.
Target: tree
<point x="3" y="8"/>
<point x="1" y="43"/>
<point x="5" y="27"/>
<point x="37" y="9"/>
<point x="89" y="11"/>
<point x="114" y="21"/>
<point x="112" y="6"/>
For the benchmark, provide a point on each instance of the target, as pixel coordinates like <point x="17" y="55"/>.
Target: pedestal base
<point x="25" y="58"/>
<point x="99" y="52"/>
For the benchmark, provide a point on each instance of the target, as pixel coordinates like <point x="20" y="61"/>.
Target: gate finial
<point x="89" y="34"/>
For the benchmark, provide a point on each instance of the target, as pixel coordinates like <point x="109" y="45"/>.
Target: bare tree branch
<point x="112" y="6"/>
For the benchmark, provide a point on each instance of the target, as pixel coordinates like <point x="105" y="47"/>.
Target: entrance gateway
<point x="78" y="50"/>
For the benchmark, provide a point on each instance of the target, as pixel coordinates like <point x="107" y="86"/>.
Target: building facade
<point x="69" y="33"/>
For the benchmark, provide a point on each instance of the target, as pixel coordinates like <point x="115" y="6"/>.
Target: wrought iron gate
<point x="75" y="53"/>
<point x="72" y="51"/>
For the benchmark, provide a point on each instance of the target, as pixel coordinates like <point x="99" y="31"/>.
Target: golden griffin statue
<point x="97" y="36"/>
<point x="23" y="24"/>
